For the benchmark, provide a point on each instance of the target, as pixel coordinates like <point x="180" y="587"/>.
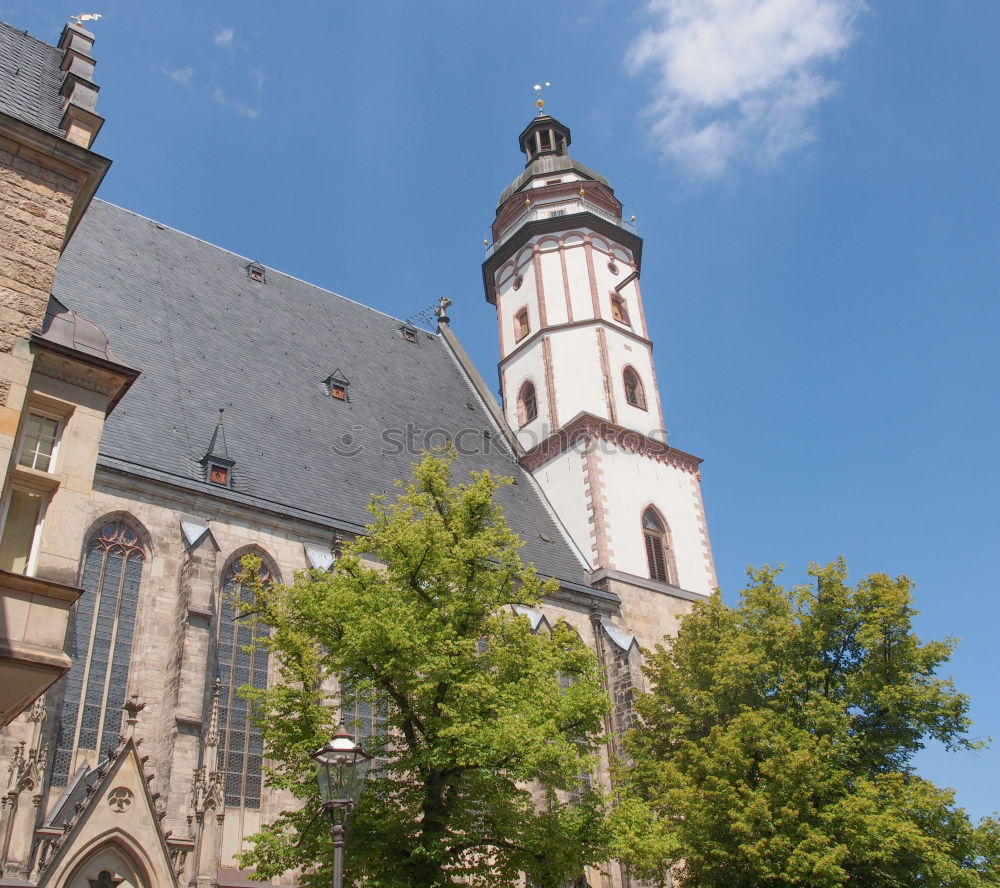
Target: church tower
<point x="577" y="380"/>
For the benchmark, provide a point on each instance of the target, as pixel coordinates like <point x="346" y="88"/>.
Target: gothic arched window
<point x="365" y="714"/>
<point x="100" y="646"/>
<point x="527" y="403"/>
<point x="659" y="553"/>
<point x="240" y="662"/>
<point x="635" y="394"/>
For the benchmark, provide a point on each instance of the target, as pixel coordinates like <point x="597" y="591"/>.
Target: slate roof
<point x="30" y="78"/>
<point x="79" y="791"/>
<point x="206" y="337"/>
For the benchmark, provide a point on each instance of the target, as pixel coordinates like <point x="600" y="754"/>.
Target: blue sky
<point x="816" y="182"/>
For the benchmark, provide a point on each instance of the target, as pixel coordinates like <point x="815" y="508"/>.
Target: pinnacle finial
<point x="212" y="734"/>
<point x="539" y="101"/>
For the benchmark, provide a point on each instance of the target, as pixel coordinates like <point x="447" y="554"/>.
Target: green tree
<point x="485" y="743"/>
<point x="775" y="748"/>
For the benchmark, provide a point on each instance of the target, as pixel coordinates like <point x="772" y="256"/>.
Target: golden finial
<point x="539" y="101"/>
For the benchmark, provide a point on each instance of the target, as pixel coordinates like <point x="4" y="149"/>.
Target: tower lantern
<point x="543" y="136"/>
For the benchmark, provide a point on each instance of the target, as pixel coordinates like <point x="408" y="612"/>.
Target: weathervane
<point x="540" y="102"/>
<point x="85" y="17"/>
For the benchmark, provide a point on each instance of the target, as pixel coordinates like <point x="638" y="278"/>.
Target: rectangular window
<point x="20" y="532"/>
<point x="38" y="446"/>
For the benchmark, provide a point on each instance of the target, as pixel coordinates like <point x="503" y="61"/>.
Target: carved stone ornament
<point x="120" y="799"/>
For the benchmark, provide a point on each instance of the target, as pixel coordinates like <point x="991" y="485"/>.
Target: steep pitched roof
<point x="30" y="78"/>
<point x="207" y="337"/>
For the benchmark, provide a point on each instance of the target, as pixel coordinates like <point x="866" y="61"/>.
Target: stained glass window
<point x="100" y="646"/>
<point x="240" y="664"/>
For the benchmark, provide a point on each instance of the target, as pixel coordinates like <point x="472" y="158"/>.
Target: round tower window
<point x="613" y="267"/>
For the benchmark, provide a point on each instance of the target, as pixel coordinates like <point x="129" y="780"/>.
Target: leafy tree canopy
<point x="489" y="726"/>
<point x="776" y="746"/>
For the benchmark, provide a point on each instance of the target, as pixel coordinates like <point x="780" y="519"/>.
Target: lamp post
<point x="341" y="768"/>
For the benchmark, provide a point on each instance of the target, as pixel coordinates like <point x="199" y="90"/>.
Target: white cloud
<point x="238" y="107"/>
<point x="224" y="36"/>
<point x="259" y="78"/>
<point x="738" y="78"/>
<point x="179" y="75"/>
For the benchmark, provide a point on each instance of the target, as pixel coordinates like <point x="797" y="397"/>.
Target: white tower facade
<point x="576" y="373"/>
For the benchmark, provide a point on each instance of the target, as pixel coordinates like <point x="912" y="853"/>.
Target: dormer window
<point x="522" y="326"/>
<point x="255" y="271"/>
<point x="218" y="474"/>
<point x="336" y="384"/>
<point x="219" y="470"/>
<point x="408" y="333"/>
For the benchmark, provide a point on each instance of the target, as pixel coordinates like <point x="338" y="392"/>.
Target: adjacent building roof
<point x="206" y="336"/>
<point x="30" y="79"/>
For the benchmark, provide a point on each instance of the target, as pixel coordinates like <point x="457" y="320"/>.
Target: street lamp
<point x="341" y="768"/>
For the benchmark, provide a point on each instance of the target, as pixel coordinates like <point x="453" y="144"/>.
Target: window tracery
<point x="100" y="645"/>
<point x="240" y="662"/>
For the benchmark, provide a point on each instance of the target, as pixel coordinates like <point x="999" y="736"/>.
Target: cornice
<point x="571" y="325"/>
<point x="82" y="164"/>
<point x="550" y="225"/>
<point x="586" y="428"/>
<point x="83" y="370"/>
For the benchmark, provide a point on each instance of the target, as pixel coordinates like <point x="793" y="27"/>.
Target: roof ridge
<point x="270" y="268"/>
<point x="24" y="33"/>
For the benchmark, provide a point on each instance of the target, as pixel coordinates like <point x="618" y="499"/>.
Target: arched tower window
<point x="241" y="744"/>
<point x="659" y="552"/>
<point x="100" y="645"/>
<point x="527" y="403"/>
<point x="522" y="326"/>
<point x="635" y="394"/>
<point x="619" y="311"/>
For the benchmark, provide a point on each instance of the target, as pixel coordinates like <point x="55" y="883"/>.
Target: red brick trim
<point x="586" y="322"/>
<point x="503" y="348"/>
<point x="642" y="310"/>
<point x="656" y="390"/>
<point x="585" y="427"/>
<point x="550" y="383"/>
<point x="706" y="543"/>
<point x="597" y="507"/>
<point x="543" y="319"/>
<point x="588" y="251"/>
<point x="565" y="277"/>
<point x="609" y="392"/>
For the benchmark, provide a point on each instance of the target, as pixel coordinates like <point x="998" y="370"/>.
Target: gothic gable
<point x="112" y="837"/>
